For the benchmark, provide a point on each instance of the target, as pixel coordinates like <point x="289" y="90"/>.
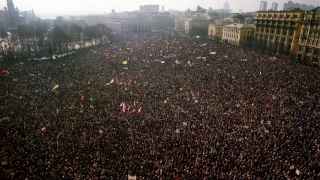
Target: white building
<point x="238" y="34"/>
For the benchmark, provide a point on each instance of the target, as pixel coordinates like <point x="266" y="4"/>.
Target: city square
<point x="161" y="108"/>
<point x="198" y="90"/>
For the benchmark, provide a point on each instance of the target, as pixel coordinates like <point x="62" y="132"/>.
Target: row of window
<point x="230" y="35"/>
<point x="277" y="39"/>
<point x="275" y="31"/>
<point x="307" y="50"/>
<point x="310" y="42"/>
<point x="281" y="16"/>
<point x="276" y="23"/>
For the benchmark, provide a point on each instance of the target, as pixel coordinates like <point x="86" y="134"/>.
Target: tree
<point x="75" y="32"/>
<point x="59" y="39"/>
<point x="25" y="31"/>
<point x="97" y="31"/>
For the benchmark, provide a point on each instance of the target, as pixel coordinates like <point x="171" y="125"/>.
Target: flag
<point x="4" y="72"/>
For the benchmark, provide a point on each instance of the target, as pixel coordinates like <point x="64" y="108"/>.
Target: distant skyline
<point x="48" y="8"/>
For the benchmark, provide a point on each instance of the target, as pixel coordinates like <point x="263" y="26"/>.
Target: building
<point x="163" y="22"/>
<point x="197" y="27"/>
<point x="179" y="24"/>
<point x="238" y="34"/>
<point x="126" y="23"/>
<point x="291" y="6"/>
<point x="274" y="6"/>
<point x="263" y="6"/>
<point x="149" y="9"/>
<point x="187" y="26"/>
<point x="215" y="31"/>
<point x="194" y="23"/>
<point x="3" y="18"/>
<point x="278" y="31"/>
<point x="309" y="40"/>
<point x="295" y="33"/>
<point x="28" y="16"/>
<point x="12" y="12"/>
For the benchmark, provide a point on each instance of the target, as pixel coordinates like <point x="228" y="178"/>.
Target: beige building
<point x="238" y="34"/>
<point x="309" y="40"/>
<point x="279" y="31"/>
<point x="294" y="32"/>
<point x="215" y="31"/>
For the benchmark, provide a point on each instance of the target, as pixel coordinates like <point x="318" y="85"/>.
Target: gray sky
<point x="73" y="7"/>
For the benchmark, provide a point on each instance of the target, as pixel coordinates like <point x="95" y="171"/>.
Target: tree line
<point x="46" y="39"/>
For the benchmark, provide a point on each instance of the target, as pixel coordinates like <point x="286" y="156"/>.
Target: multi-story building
<point x="238" y="34"/>
<point x="197" y="27"/>
<point x="294" y="32"/>
<point x="215" y="31"/>
<point x="28" y="16"/>
<point x="13" y="14"/>
<point x="150" y="8"/>
<point x="279" y="31"/>
<point x="179" y="24"/>
<point x="274" y="6"/>
<point x="291" y="6"/>
<point x="309" y="41"/>
<point x="187" y="26"/>
<point x="3" y="18"/>
<point x="131" y="22"/>
<point x="263" y="5"/>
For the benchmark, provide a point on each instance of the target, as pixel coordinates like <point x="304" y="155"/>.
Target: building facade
<point x="197" y="27"/>
<point x="3" y="19"/>
<point x="279" y="31"/>
<point x="215" y="31"/>
<point x="294" y="33"/>
<point x="179" y="24"/>
<point x="238" y="34"/>
<point x="309" y="41"/>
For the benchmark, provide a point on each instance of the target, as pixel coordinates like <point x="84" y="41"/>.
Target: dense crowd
<point x="160" y="109"/>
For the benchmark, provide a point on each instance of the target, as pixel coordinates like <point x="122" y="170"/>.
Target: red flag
<point x="4" y="72"/>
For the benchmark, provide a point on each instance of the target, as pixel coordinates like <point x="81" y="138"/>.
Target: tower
<point x="263" y="6"/>
<point x="10" y="5"/>
<point x="12" y="13"/>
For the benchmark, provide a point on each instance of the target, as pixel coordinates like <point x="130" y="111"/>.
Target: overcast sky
<point x="73" y="7"/>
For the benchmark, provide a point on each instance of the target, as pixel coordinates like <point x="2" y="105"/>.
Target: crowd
<point x="155" y="108"/>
